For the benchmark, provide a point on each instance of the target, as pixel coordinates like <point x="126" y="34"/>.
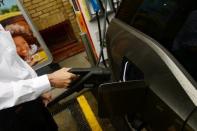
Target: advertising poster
<point x="29" y="44"/>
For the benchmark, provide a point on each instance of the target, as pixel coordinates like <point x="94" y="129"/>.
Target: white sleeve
<point x="17" y="92"/>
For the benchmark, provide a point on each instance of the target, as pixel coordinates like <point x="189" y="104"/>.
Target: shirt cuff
<point x="42" y="82"/>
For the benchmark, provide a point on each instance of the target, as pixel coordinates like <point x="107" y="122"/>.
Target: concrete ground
<point x="65" y="119"/>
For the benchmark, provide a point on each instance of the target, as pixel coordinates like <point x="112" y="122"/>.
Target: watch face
<point x="29" y="44"/>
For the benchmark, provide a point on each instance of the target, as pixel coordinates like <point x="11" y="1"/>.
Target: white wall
<point x="93" y="29"/>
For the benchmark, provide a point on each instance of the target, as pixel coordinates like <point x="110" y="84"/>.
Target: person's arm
<point x="17" y="92"/>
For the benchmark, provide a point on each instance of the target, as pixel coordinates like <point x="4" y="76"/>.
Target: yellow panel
<point x="89" y="115"/>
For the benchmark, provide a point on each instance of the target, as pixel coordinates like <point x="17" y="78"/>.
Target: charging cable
<point x="125" y="71"/>
<point x="97" y="8"/>
<point x="104" y="9"/>
<point x="104" y="36"/>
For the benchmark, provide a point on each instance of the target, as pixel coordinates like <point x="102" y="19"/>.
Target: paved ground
<point x="65" y="119"/>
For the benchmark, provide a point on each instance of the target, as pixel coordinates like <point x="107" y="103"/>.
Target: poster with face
<point x="29" y="44"/>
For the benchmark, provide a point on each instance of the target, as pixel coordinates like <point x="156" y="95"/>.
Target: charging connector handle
<point x="94" y="76"/>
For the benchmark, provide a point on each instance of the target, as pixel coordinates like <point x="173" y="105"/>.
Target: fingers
<point x="61" y="78"/>
<point x="66" y="69"/>
<point x="46" y="102"/>
<point x="72" y="76"/>
<point x="67" y="83"/>
<point x="46" y="98"/>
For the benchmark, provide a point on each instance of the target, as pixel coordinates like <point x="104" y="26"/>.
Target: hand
<point x="61" y="78"/>
<point x="46" y="98"/>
